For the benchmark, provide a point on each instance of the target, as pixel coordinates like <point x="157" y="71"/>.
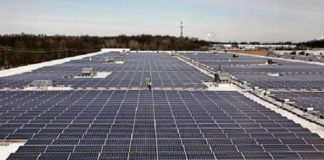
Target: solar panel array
<point x="303" y="83"/>
<point x="164" y="70"/>
<point x="304" y="100"/>
<point x="141" y="124"/>
<point x="150" y="125"/>
<point x="295" y="75"/>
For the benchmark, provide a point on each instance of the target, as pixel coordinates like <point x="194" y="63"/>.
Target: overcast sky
<point x="223" y="20"/>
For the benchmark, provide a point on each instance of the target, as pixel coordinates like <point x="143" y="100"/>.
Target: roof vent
<point x="41" y="83"/>
<point x="109" y="60"/>
<point x="275" y="74"/>
<point x="271" y="61"/>
<point x="222" y="77"/>
<point x="88" y="72"/>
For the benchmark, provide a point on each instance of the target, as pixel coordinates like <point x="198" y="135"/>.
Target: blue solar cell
<point x="49" y="156"/>
<point x="60" y="148"/>
<point x="228" y="155"/>
<point x="276" y="148"/>
<point x="268" y="141"/>
<point x="23" y="156"/>
<point x="223" y="148"/>
<point x="302" y="148"/>
<point x="293" y="141"/>
<point x="83" y="156"/>
<point x="257" y="155"/>
<point x="250" y="148"/>
<point x="285" y="155"/>
<point x="88" y="149"/>
<point x="142" y="155"/>
<point x="311" y="155"/>
<point x="171" y="155"/>
<point x="115" y="156"/>
<point x="31" y="149"/>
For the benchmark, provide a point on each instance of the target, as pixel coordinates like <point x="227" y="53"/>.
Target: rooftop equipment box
<point x="222" y="77"/>
<point x="88" y="72"/>
<point x="41" y="83"/>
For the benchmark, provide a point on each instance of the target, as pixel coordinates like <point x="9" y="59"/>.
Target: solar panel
<point x="285" y="155"/>
<point x="48" y="156"/>
<point x="83" y="156"/>
<point x="140" y="124"/>
<point x="23" y="156"/>
<point x="165" y="71"/>
<point x="254" y="70"/>
<point x="257" y="155"/>
<point x="228" y="155"/>
<point x="137" y="132"/>
<point x="32" y="149"/>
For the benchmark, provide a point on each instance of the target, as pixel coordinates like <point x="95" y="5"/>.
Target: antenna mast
<point x="181" y="28"/>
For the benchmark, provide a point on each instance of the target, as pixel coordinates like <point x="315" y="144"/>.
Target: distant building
<point x="267" y="46"/>
<point x="255" y="46"/>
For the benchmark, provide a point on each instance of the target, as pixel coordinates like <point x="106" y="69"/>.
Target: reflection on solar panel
<point x="150" y="125"/>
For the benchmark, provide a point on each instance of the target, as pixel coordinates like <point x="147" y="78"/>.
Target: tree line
<point x="22" y="49"/>
<point x="312" y="44"/>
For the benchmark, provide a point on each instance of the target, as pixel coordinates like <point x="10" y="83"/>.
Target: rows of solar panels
<point x="304" y="100"/>
<point x="143" y="124"/>
<point x="150" y="125"/>
<point x="292" y="75"/>
<point x="306" y="80"/>
<point x="164" y="71"/>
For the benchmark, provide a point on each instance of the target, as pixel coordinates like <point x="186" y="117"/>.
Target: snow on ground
<point x="6" y="148"/>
